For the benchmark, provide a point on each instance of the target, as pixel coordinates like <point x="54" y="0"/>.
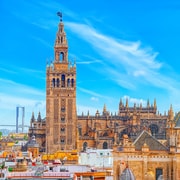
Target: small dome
<point x="127" y="175"/>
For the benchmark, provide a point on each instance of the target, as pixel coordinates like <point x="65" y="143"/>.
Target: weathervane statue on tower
<point x="60" y="15"/>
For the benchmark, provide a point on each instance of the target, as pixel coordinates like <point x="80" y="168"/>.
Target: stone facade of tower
<point x="61" y="119"/>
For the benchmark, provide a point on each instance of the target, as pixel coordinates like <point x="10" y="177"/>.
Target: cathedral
<point x="133" y="132"/>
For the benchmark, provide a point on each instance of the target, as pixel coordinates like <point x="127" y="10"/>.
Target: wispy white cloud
<point x="89" y="62"/>
<point x="94" y="99"/>
<point x="13" y="94"/>
<point x="90" y="92"/>
<point x="7" y="70"/>
<point x="9" y="102"/>
<point x="44" y="42"/>
<point x="135" y="60"/>
<point x="12" y="87"/>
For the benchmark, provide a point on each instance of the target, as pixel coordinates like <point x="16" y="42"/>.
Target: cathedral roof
<point x="150" y="141"/>
<point x="177" y="119"/>
<point x="127" y="175"/>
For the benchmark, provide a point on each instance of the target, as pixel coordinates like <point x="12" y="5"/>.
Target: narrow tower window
<point x="62" y="141"/>
<point x="61" y="57"/>
<point x="85" y="145"/>
<point x="72" y="82"/>
<point x="63" y="80"/>
<point x="62" y="119"/>
<point x="105" y="145"/>
<point x="53" y="82"/>
<point x="62" y="130"/>
<point x="61" y="40"/>
<point x="58" y="82"/>
<point x="68" y="83"/>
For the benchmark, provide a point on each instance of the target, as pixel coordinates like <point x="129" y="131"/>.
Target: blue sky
<point x="123" y="49"/>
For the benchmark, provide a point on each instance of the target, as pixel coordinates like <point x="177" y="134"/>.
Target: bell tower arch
<point x="61" y="118"/>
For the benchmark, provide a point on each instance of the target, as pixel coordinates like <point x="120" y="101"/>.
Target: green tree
<point x="26" y="137"/>
<point x="1" y="134"/>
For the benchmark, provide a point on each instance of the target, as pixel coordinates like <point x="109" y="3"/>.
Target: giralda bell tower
<point x="61" y="117"/>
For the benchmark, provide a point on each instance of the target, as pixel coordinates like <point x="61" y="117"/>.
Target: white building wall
<point x="96" y="158"/>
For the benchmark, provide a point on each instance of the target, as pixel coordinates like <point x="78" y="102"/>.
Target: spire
<point x="32" y="117"/>
<point x="148" y="105"/>
<point x="104" y="108"/>
<point x="140" y="105"/>
<point x="120" y="104"/>
<point x="155" y="106"/>
<point x="61" y="46"/>
<point x="39" y="117"/>
<point x="127" y="102"/>
<point x="171" y="113"/>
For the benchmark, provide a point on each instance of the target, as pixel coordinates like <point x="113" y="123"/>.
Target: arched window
<point x="105" y="145"/>
<point x="159" y="173"/>
<point x="53" y="82"/>
<point x="85" y="144"/>
<point x="61" y="40"/>
<point x="62" y="119"/>
<point x="68" y="83"/>
<point x="57" y="82"/>
<point x="61" y="57"/>
<point x="72" y="82"/>
<point x="62" y="141"/>
<point x="62" y="80"/>
<point x="62" y="129"/>
<point x="154" y="129"/>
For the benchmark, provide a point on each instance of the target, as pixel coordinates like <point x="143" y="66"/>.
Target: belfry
<point x="61" y="121"/>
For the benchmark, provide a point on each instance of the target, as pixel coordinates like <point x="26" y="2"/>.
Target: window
<point x="62" y="130"/>
<point x="154" y="129"/>
<point x="61" y="57"/>
<point x="58" y="82"/>
<point x="62" y="119"/>
<point x="68" y="83"/>
<point x="53" y="82"/>
<point x="63" y="109"/>
<point x="159" y="173"/>
<point x="63" y="80"/>
<point x="105" y="145"/>
<point x="85" y="144"/>
<point x="62" y="141"/>
<point x="72" y="82"/>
